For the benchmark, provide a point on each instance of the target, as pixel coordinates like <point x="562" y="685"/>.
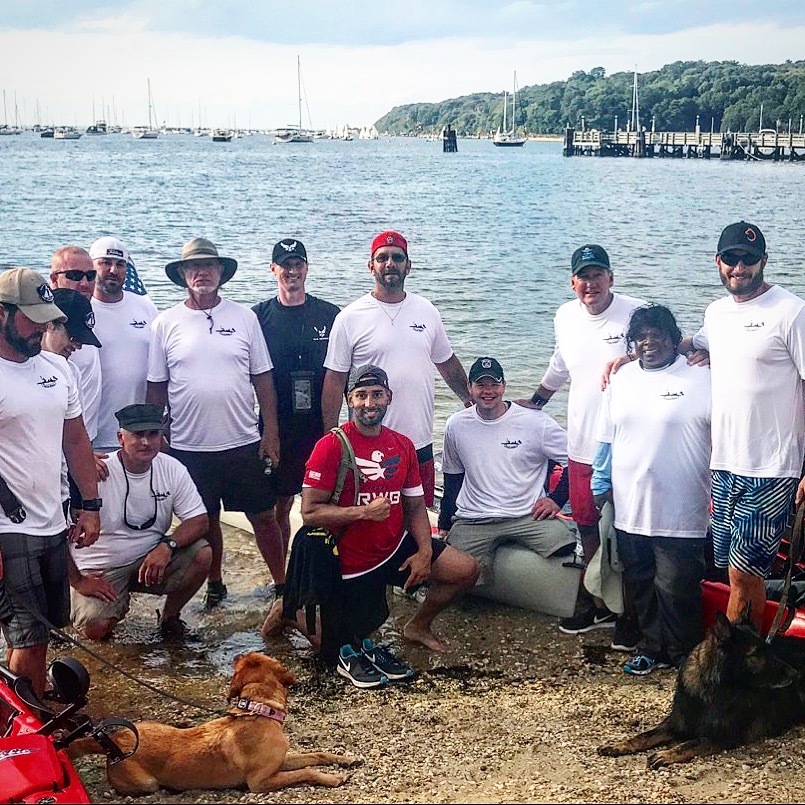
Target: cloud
<point x="242" y="79"/>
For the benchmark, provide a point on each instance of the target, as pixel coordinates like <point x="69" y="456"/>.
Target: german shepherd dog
<point x="731" y="690"/>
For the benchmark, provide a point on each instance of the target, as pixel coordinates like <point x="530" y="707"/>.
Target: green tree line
<point x="727" y="93"/>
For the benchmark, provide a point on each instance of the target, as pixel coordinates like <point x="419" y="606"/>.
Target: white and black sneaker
<point x="357" y="669"/>
<point x="385" y="662"/>
<point x="593" y="618"/>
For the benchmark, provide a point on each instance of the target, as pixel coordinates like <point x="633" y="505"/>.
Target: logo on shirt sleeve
<point x="314" y="476"/>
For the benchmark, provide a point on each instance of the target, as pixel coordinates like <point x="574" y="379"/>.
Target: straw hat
<point x="200" y="249"/>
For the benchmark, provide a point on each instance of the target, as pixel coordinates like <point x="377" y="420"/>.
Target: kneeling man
<point x="386" y="538"/>
<point x="144" y="490"/>
<point x="495" y="466"/>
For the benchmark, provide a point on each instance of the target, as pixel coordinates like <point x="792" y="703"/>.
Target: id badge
<point x="302" y="390"/>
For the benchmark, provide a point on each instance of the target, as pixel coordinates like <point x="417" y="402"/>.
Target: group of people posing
<point x="116" y="418"/>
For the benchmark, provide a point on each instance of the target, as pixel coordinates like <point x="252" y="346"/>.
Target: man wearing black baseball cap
<point x="296" y="326"/>
<point x="496" y="462"/>
<point x="385" y="533"/>
<point x="590" y="332"/>
<point x="756" y="339"/>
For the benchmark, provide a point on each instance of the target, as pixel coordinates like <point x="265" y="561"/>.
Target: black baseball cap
<point x="367" y="375"/>
<point x="591" y="254"/>
<point x="742" y="237"/>
<point x="140" y="417"/>
<point x="287" y="248"/>
<point x="486" y="367"/>
<point x="80" y="317"/>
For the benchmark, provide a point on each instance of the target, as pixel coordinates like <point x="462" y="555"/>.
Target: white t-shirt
<point x="405" y="340"/>
<point x="757" y="359"/>
<point x="504" y="461"/>
<point x="120" y="545"/>
<point x="210" y="392"/>
<point x="36" y="397"/>
<point x="584" y="345"/>
<point x="87" y="362"/>
<point x="658" y="423"/>
<point x="124" y="329"/>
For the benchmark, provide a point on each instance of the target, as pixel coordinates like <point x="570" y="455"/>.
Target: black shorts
<point x="365" y="604"/>
<point x="295" y="450"/>
<point x="236" y="477"/>
<point x="35" y="577"/>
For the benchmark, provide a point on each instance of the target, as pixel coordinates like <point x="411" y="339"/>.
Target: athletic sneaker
<point x="627" y="635"/>
<point x="418" y="595"/>
<point x="592" y="619"/>
<point x="358" y="670"/>
<point x="216" y="592"/>
<point x="385" y="662"/>
<point x="641" y="665"/>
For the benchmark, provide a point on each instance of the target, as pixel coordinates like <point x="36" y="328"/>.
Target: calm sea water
<point x="490" y="230"/>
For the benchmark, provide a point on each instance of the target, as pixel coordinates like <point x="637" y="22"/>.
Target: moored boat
<point x="505" y="137"/>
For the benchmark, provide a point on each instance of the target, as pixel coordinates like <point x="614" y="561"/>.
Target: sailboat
<point x="504" y="136"/>
<point x="295" y="134"/>
<point x="149" y="132"/>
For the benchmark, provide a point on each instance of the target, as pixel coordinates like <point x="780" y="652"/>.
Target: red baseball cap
<point x="390" y="238"/>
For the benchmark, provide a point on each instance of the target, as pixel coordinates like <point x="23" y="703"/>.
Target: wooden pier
<point x="762" y="145"/>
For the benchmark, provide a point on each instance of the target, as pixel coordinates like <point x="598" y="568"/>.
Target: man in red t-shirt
<point x="386" y="537"/>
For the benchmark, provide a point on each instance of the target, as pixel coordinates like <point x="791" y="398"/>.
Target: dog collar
<point x="260" y="709"/>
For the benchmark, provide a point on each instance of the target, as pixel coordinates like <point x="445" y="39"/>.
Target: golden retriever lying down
<point x="246" y="747"/>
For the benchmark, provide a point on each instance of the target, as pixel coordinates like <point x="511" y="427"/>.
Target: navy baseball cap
<point x="287" y="248"/>
<point x="486" y="367"/>
<point x="591" y="254"/>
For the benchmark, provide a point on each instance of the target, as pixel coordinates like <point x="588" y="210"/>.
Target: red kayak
<point x="34" y="766"/>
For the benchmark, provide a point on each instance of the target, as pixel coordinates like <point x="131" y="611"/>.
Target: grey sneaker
<point x="358" y="670"/>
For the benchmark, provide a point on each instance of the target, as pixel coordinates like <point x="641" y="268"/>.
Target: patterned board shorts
<point x="749" y="518"/>
<point x="35" y="576"/>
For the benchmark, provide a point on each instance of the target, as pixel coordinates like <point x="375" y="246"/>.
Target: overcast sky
<point x="235" y="60"/>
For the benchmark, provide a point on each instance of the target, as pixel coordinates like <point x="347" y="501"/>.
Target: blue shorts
<point x="749" y="518"/>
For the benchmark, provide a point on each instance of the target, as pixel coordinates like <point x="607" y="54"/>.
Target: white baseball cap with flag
<point x="109" y="246"/>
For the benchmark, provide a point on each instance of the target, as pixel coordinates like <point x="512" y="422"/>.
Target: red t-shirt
<point x="389" y="467"/>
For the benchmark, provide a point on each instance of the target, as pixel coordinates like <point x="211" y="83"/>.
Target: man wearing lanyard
<point x="297" y="328"/>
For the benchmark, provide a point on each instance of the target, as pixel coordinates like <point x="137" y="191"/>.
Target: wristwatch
<point x="171" y="543"/>
<point x="538" y="400"/>
<point x="91" y="504"/>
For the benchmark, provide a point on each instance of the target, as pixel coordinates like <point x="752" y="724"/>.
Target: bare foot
<point x="274" y="622"/>
<point x="417" y="634"/>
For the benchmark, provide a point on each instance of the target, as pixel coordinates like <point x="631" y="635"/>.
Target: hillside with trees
<point x="727" y="92"/>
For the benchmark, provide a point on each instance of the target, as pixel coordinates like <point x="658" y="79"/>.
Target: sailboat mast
<point x="299" y="88"/>
<point x="505" y="105"/>
<point x="514" y="103"/>
<point x="149" y="104"/>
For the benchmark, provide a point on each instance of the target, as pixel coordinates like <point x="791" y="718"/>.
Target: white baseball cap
<point x="109" y="246"/>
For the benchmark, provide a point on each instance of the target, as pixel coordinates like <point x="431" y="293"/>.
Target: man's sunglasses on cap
<point x="397" y="257"/>
<point x="747" y="258"/>
<point x="76" y="274"/>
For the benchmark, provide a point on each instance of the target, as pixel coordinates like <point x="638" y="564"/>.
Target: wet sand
<point x="512" y="714"/>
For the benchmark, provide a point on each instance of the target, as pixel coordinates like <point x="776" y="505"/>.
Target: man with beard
<point x="756" y="338"/>
<point x="296" y="326"/>
<point x="40" y="415"/>
<point x="208" y="359"/>
<point x="123" y="325"/>
<point x="404" y="333"/>
<point x="385" y="538"/>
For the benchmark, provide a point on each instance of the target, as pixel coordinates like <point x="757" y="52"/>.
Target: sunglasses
<point x="395" y="258"/>
<point x="733" y="258"/>
<point x="76" y="274"/>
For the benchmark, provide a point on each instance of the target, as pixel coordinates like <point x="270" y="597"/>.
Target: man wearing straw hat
<point x="208" y="359"/>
